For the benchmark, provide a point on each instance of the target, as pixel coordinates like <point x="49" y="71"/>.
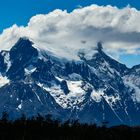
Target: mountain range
<point x="94" y="89"/>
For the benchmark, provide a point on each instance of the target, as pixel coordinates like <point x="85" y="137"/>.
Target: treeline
<point x="46" y="128"/>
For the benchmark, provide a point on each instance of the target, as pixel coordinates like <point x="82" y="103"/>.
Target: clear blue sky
<point x="20" y="11"/>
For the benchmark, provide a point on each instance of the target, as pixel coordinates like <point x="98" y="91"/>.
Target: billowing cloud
<point x="64" y="33"/>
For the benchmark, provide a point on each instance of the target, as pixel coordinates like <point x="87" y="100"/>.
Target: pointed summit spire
<point x="99" y="46"/>
<point x="23" y="41"/>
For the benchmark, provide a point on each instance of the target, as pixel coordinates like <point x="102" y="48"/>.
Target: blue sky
<point x="20" y="11"/>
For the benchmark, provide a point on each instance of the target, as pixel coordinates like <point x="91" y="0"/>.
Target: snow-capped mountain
<point x="93" y="89"/>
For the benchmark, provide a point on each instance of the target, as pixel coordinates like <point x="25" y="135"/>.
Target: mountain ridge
<point x="95" y="89"/>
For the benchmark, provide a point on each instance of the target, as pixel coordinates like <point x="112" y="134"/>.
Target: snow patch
<point x="75" y="88"/>
<point x="29" y="70"/>
<point x="71" y="100"/>
<point x="110" y="99"/>
<point x="7" y="59"/>
<point x="3" y="81"/>
<point x="97" y="96"/>
<point x="20" y="106"/>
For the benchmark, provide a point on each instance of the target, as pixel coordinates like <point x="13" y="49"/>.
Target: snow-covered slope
<point x="93" y="89"/>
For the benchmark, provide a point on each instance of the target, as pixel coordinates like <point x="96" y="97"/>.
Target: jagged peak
<point x="88" y="54"/>
<point x="99" y="46"/>
<point x="23" y="47"/>
<point x="24" y="40"/>
<point x="136" y="67"/>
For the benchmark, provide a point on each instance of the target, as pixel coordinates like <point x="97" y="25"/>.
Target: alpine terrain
<point x="92" y="89"/>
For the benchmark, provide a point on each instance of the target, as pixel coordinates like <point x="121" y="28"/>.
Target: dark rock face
<point x="31" y="98"/>
<point x="20" y="55"/>
<point x="2" y="64"/>
<point x="92" y="90"/>
<point x="64" y="87"/>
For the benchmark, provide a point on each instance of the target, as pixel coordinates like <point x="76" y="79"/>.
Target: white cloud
<point x="65" y="33"/>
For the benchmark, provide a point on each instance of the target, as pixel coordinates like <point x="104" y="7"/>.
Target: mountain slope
<point x="93" y="89"/>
